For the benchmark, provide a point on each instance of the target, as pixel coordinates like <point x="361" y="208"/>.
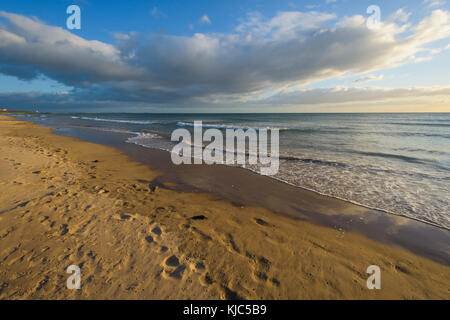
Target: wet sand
<point x="139" y="233"/>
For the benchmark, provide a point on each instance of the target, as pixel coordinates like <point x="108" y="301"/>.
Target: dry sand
<point x="66" y="202"/>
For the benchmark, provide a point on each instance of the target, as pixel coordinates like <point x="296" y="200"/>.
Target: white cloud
<point x="354" y="94"/>
<point x="434" y="3"/>
<point x="157" y="13"/>
<point x="400" y="15"/>
<point x="204" y="20"/>
<point x="284" y="25"/>
<point x="369" y="78"/>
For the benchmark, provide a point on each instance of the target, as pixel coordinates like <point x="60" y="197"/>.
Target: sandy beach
<point x="67" y="202"/>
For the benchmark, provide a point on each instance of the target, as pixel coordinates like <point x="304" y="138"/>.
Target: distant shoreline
<point x="237" y="113"/>
<point x="3" y="111"/>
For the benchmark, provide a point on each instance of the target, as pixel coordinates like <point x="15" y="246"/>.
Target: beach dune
<point x="67" y="202"/>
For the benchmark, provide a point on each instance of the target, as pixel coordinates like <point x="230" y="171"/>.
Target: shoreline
<point x="362" y="205"/>
<point x="303" y="188"/>
<point x="356" y="203"/>
<point x="318" y="192"/>
<point x="101" y="203"/>
<point x="236" y="185"/>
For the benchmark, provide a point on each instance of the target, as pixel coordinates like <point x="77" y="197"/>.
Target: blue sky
<point x="166" y="56"/>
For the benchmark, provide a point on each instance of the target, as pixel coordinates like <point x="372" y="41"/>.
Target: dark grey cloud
<point x="20" y="71"/>
<point x="101" y="100"/>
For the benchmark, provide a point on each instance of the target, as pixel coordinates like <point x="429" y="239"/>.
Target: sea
<point x="396" y="163"/>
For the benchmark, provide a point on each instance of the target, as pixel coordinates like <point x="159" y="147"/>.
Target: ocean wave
<point x="114" y="120"/>
<point x="115" y="130"/>
<point x="363" y="168"/>
<point x="225" y="126"/>
<point x="150" y="140"/>
<point x="425" y="124"/>
<point x="143" y="135"/>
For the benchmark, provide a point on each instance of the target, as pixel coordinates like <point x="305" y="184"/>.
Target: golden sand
<point x="67" y="202"/>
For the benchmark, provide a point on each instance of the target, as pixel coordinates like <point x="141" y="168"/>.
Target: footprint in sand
<point x="163" y="249"/>
<point x="159" y="248"/>
<point x="42" y="283"/>
<point x="149" y="239"/>
<point x="262" y="222"/>
<point x="157" y="230"/>
<point x="198" y="267"/>
<point x="230" y="244"/>
<point x="172" y="261"/>
<point x="154" y="239"/>
<point x="173" y="268"/>
<point x="64" y="229"/>
<point x="122" y="217"/>
<point x="206" y="280"/>
<point x="228" y="294"/>
<point x="261" y="267"/>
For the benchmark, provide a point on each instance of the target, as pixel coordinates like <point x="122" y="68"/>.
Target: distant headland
<point x="4" y="110"/>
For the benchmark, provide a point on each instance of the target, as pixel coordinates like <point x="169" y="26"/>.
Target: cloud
<point x="59" y="54"/>
<point x="204" y="20"/>
<point x="157" y="13"/>
<point x="368" y="78"/>
<point x="261" y="57"/>
<point x="341" y="95"/>
<point x="434" y="3"/>
<point x="19" y="71"/>
<point x="284" y="25"/>
<point x="378" y="98"/>
<point x="400" y="15"/>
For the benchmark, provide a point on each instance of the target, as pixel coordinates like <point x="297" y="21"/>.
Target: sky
<point x="226" y="56"/>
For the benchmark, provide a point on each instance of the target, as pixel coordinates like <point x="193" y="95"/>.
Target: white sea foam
<point x="225" y="126"/>
<point x="115" y="120"/>
<point x="150" y="140"/>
